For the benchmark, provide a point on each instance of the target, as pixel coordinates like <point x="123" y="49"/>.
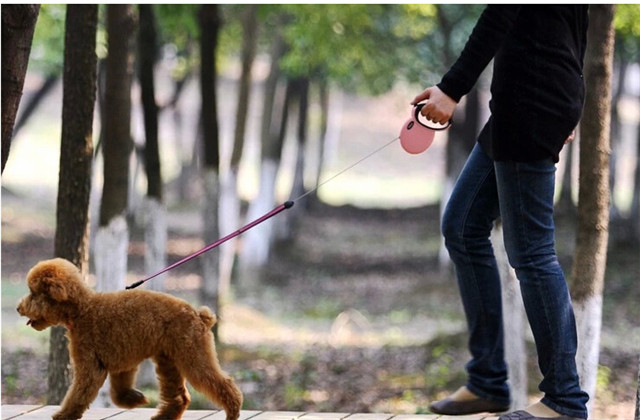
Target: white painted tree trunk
<point x="210" y="259"/>
<point x="514" y="324"/>
<point x="285" y="223"/>
<point x="155" y="238"/>
<point x="229" y="220"/>
<point x="154" y="218"/>
<point x="256" y="242"/>
<point x="110" y="257"/>
<point x="637" y="417"/>
<point x="588" y="314"/>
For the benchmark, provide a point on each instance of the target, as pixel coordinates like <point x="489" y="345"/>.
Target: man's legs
<point x="525" y="193"/>
<point x="467" y="223"/>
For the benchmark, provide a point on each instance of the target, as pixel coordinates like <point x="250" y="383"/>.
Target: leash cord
<point x="346" y="169"/>
<point x="280" y="208"/>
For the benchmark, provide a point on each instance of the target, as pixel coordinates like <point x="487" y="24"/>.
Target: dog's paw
<point x="131" y="398"/>
<point x="64" y="415"/>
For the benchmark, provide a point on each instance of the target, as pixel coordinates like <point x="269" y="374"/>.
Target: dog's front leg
<point x="88" y="377"/>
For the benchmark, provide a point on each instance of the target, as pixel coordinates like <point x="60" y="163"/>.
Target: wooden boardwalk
<point x="38" y="412"/>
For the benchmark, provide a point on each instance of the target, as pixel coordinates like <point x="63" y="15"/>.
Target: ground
<point x="353" y="315"/>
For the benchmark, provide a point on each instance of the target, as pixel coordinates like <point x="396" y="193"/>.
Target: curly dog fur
<point x="112" y="333"/>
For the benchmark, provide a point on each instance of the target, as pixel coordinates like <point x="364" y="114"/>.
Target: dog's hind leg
<point x="173" y="391"/>
<point x="122" y="392"/>
<point x="202" y="370"/>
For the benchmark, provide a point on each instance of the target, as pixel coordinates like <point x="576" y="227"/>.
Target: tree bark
<point x="210" y="26"/>
<point x="32" y="103"/>
<point x="147" y="49"/>
<point x="590" y="258"/>
<point x="18" y="24"/>
<point x="117" y="146"/>
<point x="154" y="214"/>
<point x="112" y="237"/>
<point x="515" y="325"/>
<point x="288" y="221"/>
<point x="255" y="247"/>
<point x="76" y="154"/>
<point x="229" y="200"/>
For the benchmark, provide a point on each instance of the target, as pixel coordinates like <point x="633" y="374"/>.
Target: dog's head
<point x="56" y="291"/>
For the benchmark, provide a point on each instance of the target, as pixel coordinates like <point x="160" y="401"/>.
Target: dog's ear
<point x="56" y="290"/>
<point x="46" y="280"/>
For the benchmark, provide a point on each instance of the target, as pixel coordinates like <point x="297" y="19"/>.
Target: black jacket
<point x="537" y="88"/>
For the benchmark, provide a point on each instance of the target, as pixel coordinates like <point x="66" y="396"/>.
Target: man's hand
<point x="571" y="137"/>
<point x="439" y="107"/>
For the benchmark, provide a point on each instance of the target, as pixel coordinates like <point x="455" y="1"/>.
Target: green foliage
<point x="47" y="49"/>
<point x="349" y="43"/>
<point x="178" y="31"/>
<point x="627" y="25"/>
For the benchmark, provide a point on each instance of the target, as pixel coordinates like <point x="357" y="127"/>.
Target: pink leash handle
<point x="281" y="207"/>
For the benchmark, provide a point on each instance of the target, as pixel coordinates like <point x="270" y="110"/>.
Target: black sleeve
<point x="486" y="38"/>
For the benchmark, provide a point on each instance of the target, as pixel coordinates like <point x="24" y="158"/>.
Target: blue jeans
<point x="522" y="195"/>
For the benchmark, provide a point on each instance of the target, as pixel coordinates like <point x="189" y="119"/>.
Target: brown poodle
<point x="112" y="333"/>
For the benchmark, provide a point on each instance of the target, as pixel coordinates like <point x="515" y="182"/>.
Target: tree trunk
<point x="323" y="89"/>
<point x="229" y="200"/>
<point x="634" y="215"/>
<point x="32" y="103"/>
<point x="515" y="325"/>
<point x="257" y="241"/>
<point x="76" y="154"/>
<point x="288" y="221"/>
<point x="614" y="136"/>
<point x="587" y="276"/>
<point x="153" y="212"/>
<point x="18" y="24"/>
<point x="637" y="417"/>
<point x="210" y="26"/>
<point x="255" y="247"/>
<point x="112" y="238"/>
<point x="117" y="143"/>
<point x="565" y="203"/>
<point x="147" y="48"/>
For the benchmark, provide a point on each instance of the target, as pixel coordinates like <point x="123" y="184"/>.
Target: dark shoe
<point x="523" y="415"/>
<point x="458" y="408"/>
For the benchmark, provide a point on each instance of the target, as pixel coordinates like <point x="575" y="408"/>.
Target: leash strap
<point x="244" y="228"/>
<point x="280" y="208"/>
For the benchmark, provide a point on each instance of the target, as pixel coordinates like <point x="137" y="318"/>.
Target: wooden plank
<point x="100" y="413"/>
<point x="324" y="416"/>
<point x="278" y="415"/>
<point x="10" y="411"/>
<point x="135" y="414"/>
<point x="199" y="414"/>
<point x="42" y="413"/>
<point x="244" y="415"/>
<point x="369" y="416"/>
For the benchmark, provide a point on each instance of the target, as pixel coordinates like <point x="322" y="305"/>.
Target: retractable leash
<point x="415" y="137"/>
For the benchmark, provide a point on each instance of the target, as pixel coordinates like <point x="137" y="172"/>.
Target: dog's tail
<point x="208" y="318"/>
